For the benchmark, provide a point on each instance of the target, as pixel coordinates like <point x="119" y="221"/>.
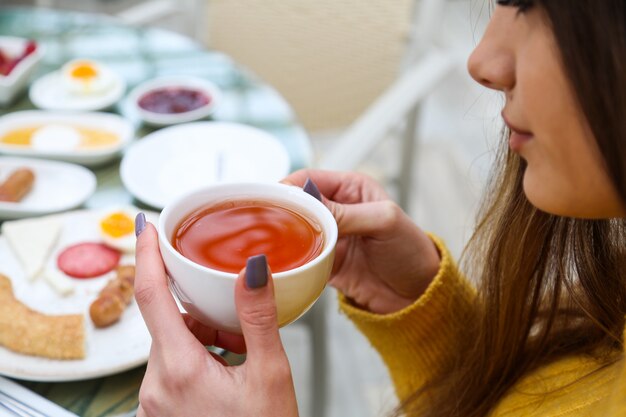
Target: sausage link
<point x="106" y="310"/>
<point x="114" y="297"/>
<point x="17" y="185"/>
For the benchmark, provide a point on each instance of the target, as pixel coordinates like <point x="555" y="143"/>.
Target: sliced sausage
<point x="88" y="260"/>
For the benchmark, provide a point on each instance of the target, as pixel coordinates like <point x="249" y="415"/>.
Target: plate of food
<point x="89" y="138"/>
<point x="67" y="310"/>
<point x="81" y="84"/>
<point x="179" y="159"/>
<point x="33" y="187"/>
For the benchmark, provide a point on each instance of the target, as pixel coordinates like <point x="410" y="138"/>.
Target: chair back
<point x="330" y="59"/>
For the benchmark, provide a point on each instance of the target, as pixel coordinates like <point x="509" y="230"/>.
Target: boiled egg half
<point x="117" y="229"/>
<point x="87" y="77"/>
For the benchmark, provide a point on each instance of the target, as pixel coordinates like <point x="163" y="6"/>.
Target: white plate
<point x="58" y="186"/>
<point x="158" y="119"/>
<point x="89" y="157"/>
<point x="177" y="160"/>
<point x="114" y="349"/>
<point x="50" y="93"/>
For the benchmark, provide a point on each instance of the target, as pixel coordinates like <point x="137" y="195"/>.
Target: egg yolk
<point x="84" y="72"/>
<point x="117" y="225"/>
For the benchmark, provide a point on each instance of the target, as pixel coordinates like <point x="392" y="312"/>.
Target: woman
<point x="541" y="336"/>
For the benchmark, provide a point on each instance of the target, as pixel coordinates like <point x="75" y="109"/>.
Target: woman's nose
<point x="492" y="63"/>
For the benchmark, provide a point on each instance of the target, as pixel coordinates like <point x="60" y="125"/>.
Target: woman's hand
<point x="383" y="261"/>
<point x="182" y="378"/>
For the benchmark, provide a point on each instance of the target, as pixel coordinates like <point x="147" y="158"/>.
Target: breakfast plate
<point x="58" y="90"/>
<point x="108" y="350"/>
<point x="179" y="159"/>
<point x="88" y="138"/>
<point x="57" y="186"/>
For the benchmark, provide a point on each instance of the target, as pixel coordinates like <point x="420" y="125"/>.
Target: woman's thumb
<point x="256" y="307"/>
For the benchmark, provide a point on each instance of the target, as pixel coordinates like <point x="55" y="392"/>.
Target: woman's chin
<point x="553" y="203"/>
<point x="547" y="199"/>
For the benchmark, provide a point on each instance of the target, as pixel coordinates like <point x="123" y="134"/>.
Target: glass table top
<point x="142" y="53"/>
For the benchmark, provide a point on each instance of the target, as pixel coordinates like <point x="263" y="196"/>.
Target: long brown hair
<point x="549" y="286"/>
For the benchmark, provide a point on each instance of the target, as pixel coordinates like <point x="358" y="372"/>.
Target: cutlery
<point x="16" y="400"/>
<point x="18" y="408"/>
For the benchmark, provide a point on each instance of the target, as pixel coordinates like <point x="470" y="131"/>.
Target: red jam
<point x="173" y="100"/>
<point x="7" y="63"/>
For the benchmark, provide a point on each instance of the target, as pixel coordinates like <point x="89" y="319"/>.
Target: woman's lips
<point x="518" y="136"/>
<point x="518" y="139"/>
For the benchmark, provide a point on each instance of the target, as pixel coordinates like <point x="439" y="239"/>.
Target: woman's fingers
<point x="368" y="219"/>
<point x="299" y="177"/>
<point x="157" y="306"/>
<point x="360" y="205"/>
<point x="329" y="183"/>
<point x="256" y="307"/>
<point x="342" y="187"/>
<point x="211" y="337"/>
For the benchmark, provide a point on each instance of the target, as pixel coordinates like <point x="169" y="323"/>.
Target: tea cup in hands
<point x="207" y="293"/>
<point x="182" y="377"/>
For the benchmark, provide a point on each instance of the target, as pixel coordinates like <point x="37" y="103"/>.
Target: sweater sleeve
<point x="416" y="341"/>
<point x="616" y="406"/>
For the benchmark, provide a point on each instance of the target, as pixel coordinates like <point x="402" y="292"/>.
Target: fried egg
<point x="117" y="229"/>
<point x="87" y="77"/>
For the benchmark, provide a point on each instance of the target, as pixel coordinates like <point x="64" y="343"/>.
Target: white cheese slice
<point x="60" y="282"/>
<point x="32" y="241"/>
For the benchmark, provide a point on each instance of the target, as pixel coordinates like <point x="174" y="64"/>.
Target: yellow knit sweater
<point x="413" y="341"/>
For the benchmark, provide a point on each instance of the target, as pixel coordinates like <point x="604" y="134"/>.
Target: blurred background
<point x="381" y="87"/>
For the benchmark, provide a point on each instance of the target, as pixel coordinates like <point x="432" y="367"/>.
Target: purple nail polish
<point x="256" y="271"/>
<point x="311" y="188"/>
<point x="140" y="223"/>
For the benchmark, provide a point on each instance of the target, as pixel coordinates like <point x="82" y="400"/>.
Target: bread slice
<point x="32" y="241"/>
<point x="27" y="331"/>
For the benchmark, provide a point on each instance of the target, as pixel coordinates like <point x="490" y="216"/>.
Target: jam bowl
<point x="19" y="57"/>
<point x="171" y="100"/>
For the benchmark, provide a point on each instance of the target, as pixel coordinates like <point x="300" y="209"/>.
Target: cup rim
<point x="329" y="244"/>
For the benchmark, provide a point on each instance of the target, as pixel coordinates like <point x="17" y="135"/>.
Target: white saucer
<point x="58" y="186"/>
<point x="179" y="159"/>
<point x="50" y="93"/>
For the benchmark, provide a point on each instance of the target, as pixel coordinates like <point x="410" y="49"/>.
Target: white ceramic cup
<point x="207" y="294"/>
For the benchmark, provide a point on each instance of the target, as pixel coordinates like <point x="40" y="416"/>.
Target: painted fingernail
<point x="311" y="188"/>
<point x="256" y="271"/>
<point x="140" y="224"/>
